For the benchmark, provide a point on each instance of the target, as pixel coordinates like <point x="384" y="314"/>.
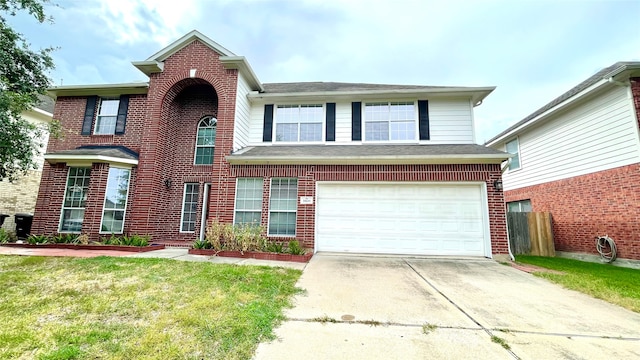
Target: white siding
<point x="450" y="121"/>
<point x="597" y="135"/>
<point x="243" y="109"/>
<point x="256" y="121"/>
<point x="343" y="122"/>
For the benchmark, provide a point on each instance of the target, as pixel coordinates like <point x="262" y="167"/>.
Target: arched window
<point x="206" y="140"/>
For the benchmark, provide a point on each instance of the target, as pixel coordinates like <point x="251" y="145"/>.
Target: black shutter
<point x="356" y="121"/>
<point x="89" y="111"/>
<point x="267" y="127"/>
<point x="331" y="122"/>
<point x="423" y="118"/>
<point x="122" y="114"/>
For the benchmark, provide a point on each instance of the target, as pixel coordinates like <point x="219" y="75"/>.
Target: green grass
<point x="614" y="284"/>
<point x="117" y="308"/>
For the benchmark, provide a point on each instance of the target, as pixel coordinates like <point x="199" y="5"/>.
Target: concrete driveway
<point x="373" y="307"/>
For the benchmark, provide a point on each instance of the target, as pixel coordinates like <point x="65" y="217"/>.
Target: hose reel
<point x="606" y="248"/>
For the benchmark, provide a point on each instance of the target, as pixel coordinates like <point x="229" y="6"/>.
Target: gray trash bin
<point x="23" y="225"/>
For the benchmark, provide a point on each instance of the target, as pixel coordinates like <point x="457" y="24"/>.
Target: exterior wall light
<point x="497" y="185"/>
<point x="167" y="183"/>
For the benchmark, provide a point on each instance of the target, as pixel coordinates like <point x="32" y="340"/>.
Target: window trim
<point x="64" y="197"/>
<point x="287" y="211"/>
<point x="323" y="124"/>
<point x="416" y="123"/>
<point x="235" y="198"/>
<point x="517" y="140"/>
<point x="126" y="201"/>
<point x="99" y="108"/>
<point x="195" y="151"/>
<point x="184" y="196"/>
<point x="519" y="202"/>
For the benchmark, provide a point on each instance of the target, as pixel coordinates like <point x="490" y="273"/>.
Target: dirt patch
<point x="532" y="268"/>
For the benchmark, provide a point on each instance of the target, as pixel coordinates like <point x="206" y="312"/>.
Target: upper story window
<point x="513" y="147"/>
<point x="107" y="116"/>
<point x="205" y="141"/>
<point x="384" y="121"/>
<point x="298" y="123"/>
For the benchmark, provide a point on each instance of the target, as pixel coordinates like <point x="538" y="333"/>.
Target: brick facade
<point x="583" y="207"/>
<point x="161" y="127"/>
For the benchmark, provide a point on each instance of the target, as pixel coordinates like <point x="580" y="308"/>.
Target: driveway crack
<point x="488" y="331"/>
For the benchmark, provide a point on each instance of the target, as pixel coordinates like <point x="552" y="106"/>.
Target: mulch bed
<point x="253" y="255"/>
<point x="137" y="249"/>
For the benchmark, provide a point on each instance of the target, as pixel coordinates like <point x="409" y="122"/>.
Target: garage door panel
<point x="431" y="219"/>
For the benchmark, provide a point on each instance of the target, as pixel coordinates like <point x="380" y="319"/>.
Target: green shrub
<point x="201" y="244"/>
<point x="38" y="239"/>
<point x="4" y="236"/>
<point x="295" y="248"/>
<point x="275" y="247"/>
<point x="127" y="240"/>
<point x="112" y="240"/>
<point x="65" y="239"/>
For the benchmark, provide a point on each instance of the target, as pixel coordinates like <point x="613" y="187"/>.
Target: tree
<point x="22" y="78"/>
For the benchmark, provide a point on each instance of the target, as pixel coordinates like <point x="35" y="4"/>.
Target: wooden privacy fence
<point x="531" y="233"/>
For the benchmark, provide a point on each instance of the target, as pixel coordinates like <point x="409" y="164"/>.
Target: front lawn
<point x="614" y="284"/>
<point x="117" y="308"/>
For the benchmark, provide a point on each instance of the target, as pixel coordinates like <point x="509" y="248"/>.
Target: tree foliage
<point x="22" y="78"/>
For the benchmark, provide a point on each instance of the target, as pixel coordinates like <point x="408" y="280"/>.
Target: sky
<point x="531" y="51"/>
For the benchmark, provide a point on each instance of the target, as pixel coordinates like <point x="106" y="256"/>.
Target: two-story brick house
<point x="340" y="167"/>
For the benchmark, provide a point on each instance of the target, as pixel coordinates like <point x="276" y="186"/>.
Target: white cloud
<point x="132" y="22"/>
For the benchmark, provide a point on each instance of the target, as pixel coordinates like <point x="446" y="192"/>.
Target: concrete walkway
<point x="366" y="307"/>
<point x="168" y="253"/>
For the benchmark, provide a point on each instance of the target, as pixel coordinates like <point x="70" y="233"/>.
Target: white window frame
<point x="517" y="155"/>
<point x="235" y="199"/>
<point x="416" y="124"/>
<point x="64" y="198"/>
<point x="99" y="116"/>
<point x="184" y="197"/>
<point x="322" y="130"/>
<point x="215" y="126"/>
<point x="520" y="203"/>
<point x="282" y="211"/>
<point x="126" y="201"/>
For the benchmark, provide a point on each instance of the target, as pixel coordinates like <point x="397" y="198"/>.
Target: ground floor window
<point x="75" y="197"/>
<point x="283" y="206"/>
<point x="189" y="207"/>
<point x="248" y="201"/>
<point x="115" y="201"/>
<point x="519" y="206"/>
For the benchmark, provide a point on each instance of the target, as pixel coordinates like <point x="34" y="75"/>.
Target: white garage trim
<point x="478" y="241"/>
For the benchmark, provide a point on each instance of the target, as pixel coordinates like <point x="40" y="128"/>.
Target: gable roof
<point x="606" y="74"/>
<point x="368" y="154"/>
<point x="155" y="62"/>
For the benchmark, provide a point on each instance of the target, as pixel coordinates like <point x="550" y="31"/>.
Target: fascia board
<point x="241" y="64"/>
<point x="88" y="159"/>
<point x="475" y="94"/>
<point x="186" y="40"/>
<point x="99" y="89"/>
<point x="368" y="160"/>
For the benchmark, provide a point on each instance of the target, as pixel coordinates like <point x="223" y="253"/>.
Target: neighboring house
<point x="339" y="167"/>
<point x="578" y="157"/>
<point x="20" y="196"/>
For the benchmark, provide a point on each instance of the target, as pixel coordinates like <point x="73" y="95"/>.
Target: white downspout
<point x="513" y="258"/>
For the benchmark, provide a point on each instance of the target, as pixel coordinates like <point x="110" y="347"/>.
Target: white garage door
<point x="401" y="218"/>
